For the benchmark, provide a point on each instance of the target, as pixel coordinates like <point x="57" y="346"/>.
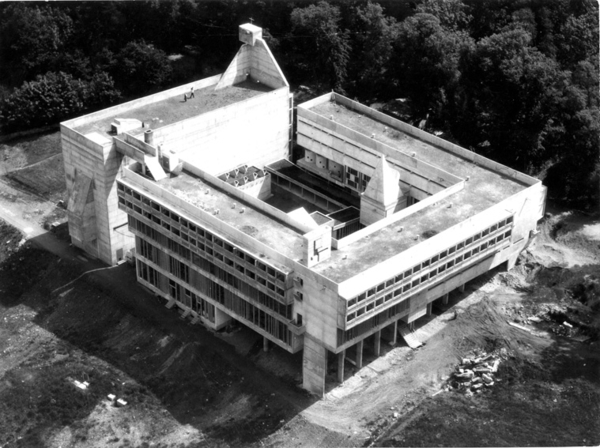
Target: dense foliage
<point x="54" y="97"/>
<point x="515" y="80"/>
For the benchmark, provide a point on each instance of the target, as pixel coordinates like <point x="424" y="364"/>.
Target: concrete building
<point x="372" y="224"/>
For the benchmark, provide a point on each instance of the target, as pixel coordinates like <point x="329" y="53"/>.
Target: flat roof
<point x="252" y="222"/>
<point x="173" y="109"/>
<point x="483" y="189"/>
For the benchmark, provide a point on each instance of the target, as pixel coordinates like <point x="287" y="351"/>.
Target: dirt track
<point x="187" y="386"/>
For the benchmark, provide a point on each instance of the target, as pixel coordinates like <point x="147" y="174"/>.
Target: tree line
<point x="514" y="80"/>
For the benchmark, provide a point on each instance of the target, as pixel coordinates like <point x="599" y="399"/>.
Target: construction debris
<point x="475" y="373"/>
<point x="81" y="385"/>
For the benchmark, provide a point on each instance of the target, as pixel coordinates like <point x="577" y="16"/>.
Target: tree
<point x="510" y="94"/>
<point x="578" y="38"/>
<point x="372" y="38"/>
<point x="452" y="14"/>
<point x="31" y="38"/>
<point x="325" y="47"/>
<point x="142" y="67"/>
<point x="425" y="66"/>
<point x="54" y="97"/>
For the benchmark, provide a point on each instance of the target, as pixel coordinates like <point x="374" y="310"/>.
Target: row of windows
<point x="212" y="253"/>
<point x="344" y="336"/>
<point x="222" y="295"/>
<point x="245" y="288"/>
<point x="404" y="283"/>
<point x="182" y="271"/>
<point x="187" y="231"/>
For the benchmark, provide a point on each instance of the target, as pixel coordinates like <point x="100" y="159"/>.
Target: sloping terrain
<point x="182" y="385"/>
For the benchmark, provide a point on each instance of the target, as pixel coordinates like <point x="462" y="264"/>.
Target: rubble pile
<point x="475" y="373"/>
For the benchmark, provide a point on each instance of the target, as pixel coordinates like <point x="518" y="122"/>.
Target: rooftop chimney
<point x="149" y="137"/>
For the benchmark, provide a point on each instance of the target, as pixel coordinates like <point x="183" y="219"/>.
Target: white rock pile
<point x="475" y="373"/>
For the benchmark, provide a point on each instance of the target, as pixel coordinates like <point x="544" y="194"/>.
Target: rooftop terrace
<point x="483" y="189"/>
<point x="173" y="108"/>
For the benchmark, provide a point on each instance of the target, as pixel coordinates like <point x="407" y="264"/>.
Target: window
<point x="352" y="177"/>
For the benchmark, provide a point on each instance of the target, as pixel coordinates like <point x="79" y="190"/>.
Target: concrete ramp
<point x="302" y="216"/>
<point x="409" y="336"/>
<point x="155" y="169"/>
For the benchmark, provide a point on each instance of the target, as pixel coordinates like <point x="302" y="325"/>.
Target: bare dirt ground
<point x="186" y="386"/>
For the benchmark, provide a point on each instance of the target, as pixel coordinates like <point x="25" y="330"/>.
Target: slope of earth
<point x="547" y="391"/>
<point x="183" y="385"/>
<point x="32" y="180"/>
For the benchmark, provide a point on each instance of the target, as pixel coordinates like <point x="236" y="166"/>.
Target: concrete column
<point x="429" y="308"/>
<point x="314" y="366"/>
<point x="341" y="358"/>
<point x="377" y="343"/>
<point x="359" y="353"/>
<point x="511" y="262"/>
<point x="395" y="337"/>
<point x="265" y="344"/>
<point x="461" y="288"/>
<point x="445" y="298"/>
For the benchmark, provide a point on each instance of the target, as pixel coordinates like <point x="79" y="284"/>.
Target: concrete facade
<point x="375" y="222"/>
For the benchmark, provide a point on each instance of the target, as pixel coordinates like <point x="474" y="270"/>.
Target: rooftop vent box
<point x="120" y="125"/>
<point x="249" y="33"/>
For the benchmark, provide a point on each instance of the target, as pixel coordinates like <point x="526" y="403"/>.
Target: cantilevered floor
<point x="173" y="109"/>
<point x="483" y="189"/>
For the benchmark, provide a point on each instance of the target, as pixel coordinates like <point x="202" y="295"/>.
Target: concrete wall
<point x="255" y="62"/>
<point x="351" y="148"/>
<point x="101" y="163"/>
<point x="254" y="132"/>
